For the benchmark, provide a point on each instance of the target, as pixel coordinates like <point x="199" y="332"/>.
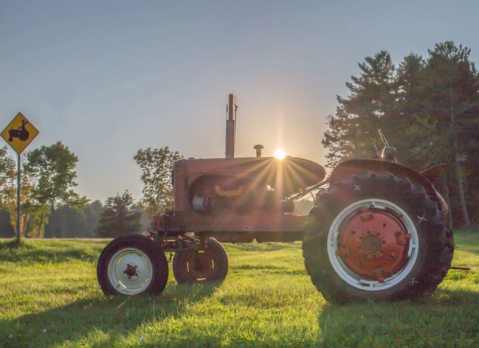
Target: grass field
<point x="49" y="297"/>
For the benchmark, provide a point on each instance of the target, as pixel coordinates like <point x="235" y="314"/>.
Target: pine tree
<point x="119" y="217"/>
<point x="361" y="114"/>
<point x="451" y="94"/>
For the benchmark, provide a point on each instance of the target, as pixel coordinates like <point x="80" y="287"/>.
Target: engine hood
<point x="287" y="176"/>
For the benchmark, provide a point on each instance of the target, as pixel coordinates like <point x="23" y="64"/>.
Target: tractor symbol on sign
<point x="20" y="133"/>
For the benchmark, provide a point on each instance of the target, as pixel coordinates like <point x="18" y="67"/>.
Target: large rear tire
<point x="204" y="266"/>
<point x="376" y="236"/>
<point x="132" y="265"/>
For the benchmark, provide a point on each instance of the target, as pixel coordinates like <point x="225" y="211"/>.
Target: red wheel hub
<point x="374" y="244"/>
<point x="130" y="270"/>
<point x="200" y="265"/>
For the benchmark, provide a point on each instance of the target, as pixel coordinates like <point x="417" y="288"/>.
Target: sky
<point x="110" y="77"/>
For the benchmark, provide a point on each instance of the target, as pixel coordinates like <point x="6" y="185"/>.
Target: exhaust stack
<point x="231" y="127"/>
<point x="258" y="149"/>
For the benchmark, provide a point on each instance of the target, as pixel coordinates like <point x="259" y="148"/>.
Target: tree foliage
<point x="79" y="223"/>
<point x="48" y="206"/>
<point x="119" y="217"/>
<point x="7" y="193"/>
<point x="54" y="169"/>
<point x="6" y="228"/>
<point x="157" y="166"/>
<point x="7" y="176"/>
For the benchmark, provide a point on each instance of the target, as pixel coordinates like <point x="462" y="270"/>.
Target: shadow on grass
<point x="117" y="316"/>
<point x="11" y="244"/>
<point x="56" y="252"/>
<point x="445" y="318"/>
<point x="453" y="298"/>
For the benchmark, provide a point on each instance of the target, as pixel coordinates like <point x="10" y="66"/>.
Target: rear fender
<point x="356" y="166"/>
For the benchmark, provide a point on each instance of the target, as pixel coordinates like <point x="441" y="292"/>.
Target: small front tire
<point x="132" y="265"/>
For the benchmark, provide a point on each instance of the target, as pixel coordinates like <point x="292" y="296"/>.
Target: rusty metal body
<point x="246" y="196"/>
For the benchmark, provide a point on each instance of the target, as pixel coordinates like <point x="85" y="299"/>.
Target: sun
<point x="280" y="154"/>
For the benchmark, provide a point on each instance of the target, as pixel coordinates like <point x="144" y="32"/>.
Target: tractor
<point x="378" y="229"/>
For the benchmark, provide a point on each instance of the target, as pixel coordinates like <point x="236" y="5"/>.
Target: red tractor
<point x="378" y="230"/>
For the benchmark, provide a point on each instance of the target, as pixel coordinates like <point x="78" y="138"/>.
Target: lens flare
<point x="280" y="154"/>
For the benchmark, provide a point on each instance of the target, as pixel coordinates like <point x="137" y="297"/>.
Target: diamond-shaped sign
<point x="19" y="133"/>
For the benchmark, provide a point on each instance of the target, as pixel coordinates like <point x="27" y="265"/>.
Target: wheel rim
<point x="201" y="266"/>
<point x="130" y="271"/>
<point x="373" y="244"/>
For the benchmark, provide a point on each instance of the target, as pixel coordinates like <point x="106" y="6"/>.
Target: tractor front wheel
<point x="132" y="265"/>
<point x="376" y="236"/>
<point x="203" y="266"/>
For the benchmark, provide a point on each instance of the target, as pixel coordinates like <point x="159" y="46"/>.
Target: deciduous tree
<point x="156" y="166"/>
<point x="54" y="168"/>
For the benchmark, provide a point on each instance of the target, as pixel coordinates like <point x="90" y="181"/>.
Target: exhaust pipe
<point x="231" y="127"/>
<point x="258" y="149"/>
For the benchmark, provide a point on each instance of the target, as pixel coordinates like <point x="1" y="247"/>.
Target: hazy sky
<point x="110" y="77"/>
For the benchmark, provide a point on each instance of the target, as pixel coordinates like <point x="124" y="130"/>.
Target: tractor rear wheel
<point x="132" y="265"/>
<point x="203" y="266"/>
<point x="376" y="236"/>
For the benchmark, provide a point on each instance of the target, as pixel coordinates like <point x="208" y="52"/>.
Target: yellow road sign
<point x="19" y="133"/>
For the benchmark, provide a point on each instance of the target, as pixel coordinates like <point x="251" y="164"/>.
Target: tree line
<point x="50" y="206"/>
<point x="428" y="108"/>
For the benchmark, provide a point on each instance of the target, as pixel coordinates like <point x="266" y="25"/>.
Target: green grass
<point x="49" y="297"/>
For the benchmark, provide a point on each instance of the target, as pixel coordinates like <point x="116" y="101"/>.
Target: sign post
<point x="19" y="176"/>
<point x="19" y="134"/>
